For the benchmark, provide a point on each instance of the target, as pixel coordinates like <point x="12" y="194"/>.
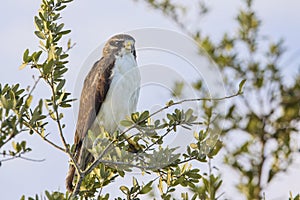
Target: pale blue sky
<point x="92" y="23"/>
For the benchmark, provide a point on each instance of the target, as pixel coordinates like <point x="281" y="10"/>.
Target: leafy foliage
<point x="261" y="113"/>
<point x="297" y="197"/>
<point x="14" y="105"/>
<point x="17" y="113"/>
<point x="266" y="114"/>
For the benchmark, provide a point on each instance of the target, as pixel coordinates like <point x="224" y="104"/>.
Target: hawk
<point x="110" y="93"/>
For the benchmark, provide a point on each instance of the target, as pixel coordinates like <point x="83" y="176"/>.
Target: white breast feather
<point x="122" y="96"/>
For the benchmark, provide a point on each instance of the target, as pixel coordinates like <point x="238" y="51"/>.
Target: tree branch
<point x="43" y="137"/>
<point x="19" y="155"/>
<point x="66" y="146"/>
<point x="181" y="102"/>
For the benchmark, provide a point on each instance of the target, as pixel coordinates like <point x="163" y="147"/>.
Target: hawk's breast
<point x="122" y="96"/>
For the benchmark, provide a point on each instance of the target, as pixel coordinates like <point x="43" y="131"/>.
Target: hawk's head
<point x="119" y="45"/>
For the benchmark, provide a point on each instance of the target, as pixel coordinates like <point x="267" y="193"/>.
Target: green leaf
<point x="48" y="195"/>
<point x="25" y="56"/>
<point x="126" y="123"/>
<point x="61" y="8"/>
<point x="169" y="103"/>
<point x="134" y="116"/>
<point x="57" y="38"/>
<point x="17" y="147"/>
<point x="64" y="56"/>
<point x="147" y="188"/>
<point x="38" y="23"/>
<point x="60" y="85"/>
<point x="48" y="67"/>
<point x="4" y="102"/>
<point x="197" y="85"/>
<point x="65" y="104"/>
<point x="188" y="115"/>
<point x="64" y="32"/>
<point x="1" y="112"/>
<point x="56" y="17"/>
<point x="177" y="90"/>
<point x="40" y="35"/>
<point x="36" y="56"/>
<point x="144" y="116"/>
<point x="13" y="99"/>
<point x="58" y="73"/>
<point x="170" y="117"/>
<point x="42" y="16"/>
<point x="59" y="27"/>
<point x="124" y="189"/>
<point x="23" y="145"/>
<point x="241" y="85"/>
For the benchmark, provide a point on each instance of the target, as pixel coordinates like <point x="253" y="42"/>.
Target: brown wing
<point x="93" y="94"/>
<point x="94" y="91"/>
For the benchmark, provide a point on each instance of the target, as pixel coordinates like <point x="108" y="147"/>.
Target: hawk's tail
<point x="71" y="172"/>
<point x="83" y="158"/>
<point x="69" y="178"/>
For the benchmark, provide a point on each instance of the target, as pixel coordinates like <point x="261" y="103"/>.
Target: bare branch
<point x="20" y="156"/>
<point x="34" y="85"/>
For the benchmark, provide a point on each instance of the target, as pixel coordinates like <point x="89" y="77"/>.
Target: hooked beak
<point x="129" y="45"/>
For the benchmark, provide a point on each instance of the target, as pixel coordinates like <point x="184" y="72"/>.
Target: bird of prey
<point x="110" y="93"/>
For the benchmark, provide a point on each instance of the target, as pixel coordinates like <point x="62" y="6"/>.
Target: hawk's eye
<point x="116" y="43"/>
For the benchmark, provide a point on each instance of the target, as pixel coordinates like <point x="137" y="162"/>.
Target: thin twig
<point x="57" y="117"/>
<point x="219" y="196"/>
<point x="67" y="149"/>
<point x="34" y="85"/>
<point x="19" y="156"/>
<point x="44" y="138"/>
<point x="166" y="133"/>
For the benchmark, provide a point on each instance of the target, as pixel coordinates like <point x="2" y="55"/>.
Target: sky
<point x="92" y="23"/>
